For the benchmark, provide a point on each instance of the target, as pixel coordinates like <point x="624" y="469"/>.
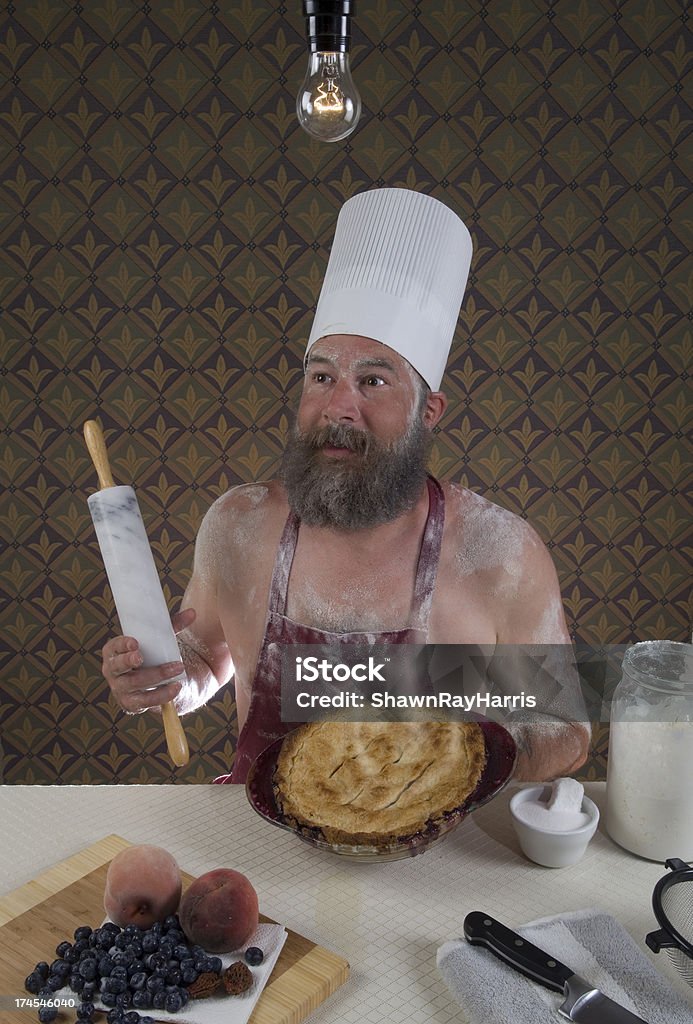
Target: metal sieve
<point x="672" y="902"/>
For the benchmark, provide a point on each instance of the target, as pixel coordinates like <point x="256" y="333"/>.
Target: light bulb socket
<point x="328" y="25"/>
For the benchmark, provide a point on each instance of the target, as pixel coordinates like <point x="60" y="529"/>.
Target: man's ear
<point x="436" y="404"/>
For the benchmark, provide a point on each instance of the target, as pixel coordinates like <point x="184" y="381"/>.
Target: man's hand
<point x="548" y="749"/>
<point x="135" y="688"/>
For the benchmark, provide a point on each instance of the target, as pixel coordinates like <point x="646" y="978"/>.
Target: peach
<point x="143" y="885"/>
<point x="219" y="910"/>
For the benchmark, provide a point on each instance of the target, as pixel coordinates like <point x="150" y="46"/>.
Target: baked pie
<point x="376" y="783"/>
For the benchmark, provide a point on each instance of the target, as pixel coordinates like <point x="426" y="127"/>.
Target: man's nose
<point x="341" y="404"/>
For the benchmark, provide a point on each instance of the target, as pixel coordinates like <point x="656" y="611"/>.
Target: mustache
<point x="339" y="435"/>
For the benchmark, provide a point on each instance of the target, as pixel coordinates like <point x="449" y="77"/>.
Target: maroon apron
<point x="264" y="724"/>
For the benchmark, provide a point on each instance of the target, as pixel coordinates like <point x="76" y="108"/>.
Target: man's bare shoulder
<point x="256" y="499"/>
<point x="484" y="536"/>
<point x="247" y="518"/>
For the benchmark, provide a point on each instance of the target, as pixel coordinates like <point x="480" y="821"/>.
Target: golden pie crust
<point x="376" y="782"/>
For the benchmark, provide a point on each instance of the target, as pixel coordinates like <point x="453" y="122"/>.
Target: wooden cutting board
<point x="37" y="916"/>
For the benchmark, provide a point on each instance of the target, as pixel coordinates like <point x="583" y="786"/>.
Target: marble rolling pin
<point x="133" y="578"/>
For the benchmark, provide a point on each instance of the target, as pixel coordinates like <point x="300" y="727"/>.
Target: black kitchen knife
<point x="583" y="1002"/>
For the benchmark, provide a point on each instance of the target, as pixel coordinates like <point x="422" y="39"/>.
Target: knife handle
<point x="507" y="945"/>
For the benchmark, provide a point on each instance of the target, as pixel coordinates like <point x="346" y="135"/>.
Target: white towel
<point x="591" y="943"/>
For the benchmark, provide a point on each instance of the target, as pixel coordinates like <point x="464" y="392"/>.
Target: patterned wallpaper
<point x="164" y="226"/>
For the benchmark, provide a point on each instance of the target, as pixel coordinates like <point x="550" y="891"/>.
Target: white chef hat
<point x="397" y="273"/>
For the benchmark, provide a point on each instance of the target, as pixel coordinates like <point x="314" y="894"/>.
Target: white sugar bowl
<point x="547" y="838"/>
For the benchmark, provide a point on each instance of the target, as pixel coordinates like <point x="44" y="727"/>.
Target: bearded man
<point x="355" y="542"/>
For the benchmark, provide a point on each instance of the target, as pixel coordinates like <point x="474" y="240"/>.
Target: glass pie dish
<point x="501" y="754"/>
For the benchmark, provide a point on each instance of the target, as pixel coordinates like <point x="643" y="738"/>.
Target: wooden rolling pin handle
<point x="175" y="736"/>
<point x="93" y="435"/>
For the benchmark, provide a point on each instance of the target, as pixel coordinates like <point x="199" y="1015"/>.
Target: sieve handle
<point x="660" y="940"/>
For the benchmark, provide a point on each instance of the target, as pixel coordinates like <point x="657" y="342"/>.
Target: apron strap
<point x="429" y="555"/>
<point x="279" y="587"/>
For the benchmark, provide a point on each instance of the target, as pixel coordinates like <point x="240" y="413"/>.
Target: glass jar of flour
<point x="649" y="785"/>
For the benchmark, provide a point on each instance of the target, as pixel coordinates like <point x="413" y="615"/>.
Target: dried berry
<point x="237" y="978"/>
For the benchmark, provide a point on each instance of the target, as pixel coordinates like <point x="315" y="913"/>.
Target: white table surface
<point x="386" y="919"/>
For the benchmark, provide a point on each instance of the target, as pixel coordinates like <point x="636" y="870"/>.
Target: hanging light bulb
<point x="328" y="105"/>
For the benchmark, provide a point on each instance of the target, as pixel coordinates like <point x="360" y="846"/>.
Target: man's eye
<point x="373" y="381"/>
<point x="320" y="378"/>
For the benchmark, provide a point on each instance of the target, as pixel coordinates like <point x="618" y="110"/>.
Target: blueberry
<point x="85" y="1012"/>
<point x="119" y="971"/>
<point x="83" y="932"/>
<point x="147" y="1020"/>
<point x="62" y="948"/>
<point x="174" y="1002"/>
<point x="159" y="1000"/>
<point x="150" y="942"/>
<point x="124" y="999"/>
<point x="131" y="1018"/>
<point x="155" y="983"/>
<point x="142" y="1000"/>
<point x="254" y="956"/>
<point x="55" y="982"/>
<point x="172" y="921"/>
<point x="87" y="969"/>
<point x="115" y="1016"/>
<point x="42" y="968"/>
<point x="105" y="965"/>
<point x="47" y="1014"/>
<point x="188" y="976"/>
<point x="89" y="990"/>
<point x="214" y="963"/>
<point x="174" y="976"/>
<point x="138" y="980"/>
<point x="156" y="960"/>
<point x="108" y="998"/>
<point x="34" y="982"/>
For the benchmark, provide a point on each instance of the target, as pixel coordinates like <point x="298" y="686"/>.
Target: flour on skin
<point x="349" y="611"/>
<point x="238" y="515"/>
<point x="491" y="538"/>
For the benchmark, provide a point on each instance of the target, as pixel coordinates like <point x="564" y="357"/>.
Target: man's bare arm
<point x="554" y="740"/>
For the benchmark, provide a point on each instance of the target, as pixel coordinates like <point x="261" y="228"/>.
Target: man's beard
<point x="375" y="486"/>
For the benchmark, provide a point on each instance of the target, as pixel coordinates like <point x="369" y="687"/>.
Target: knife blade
<point x="583" y="1003"/>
